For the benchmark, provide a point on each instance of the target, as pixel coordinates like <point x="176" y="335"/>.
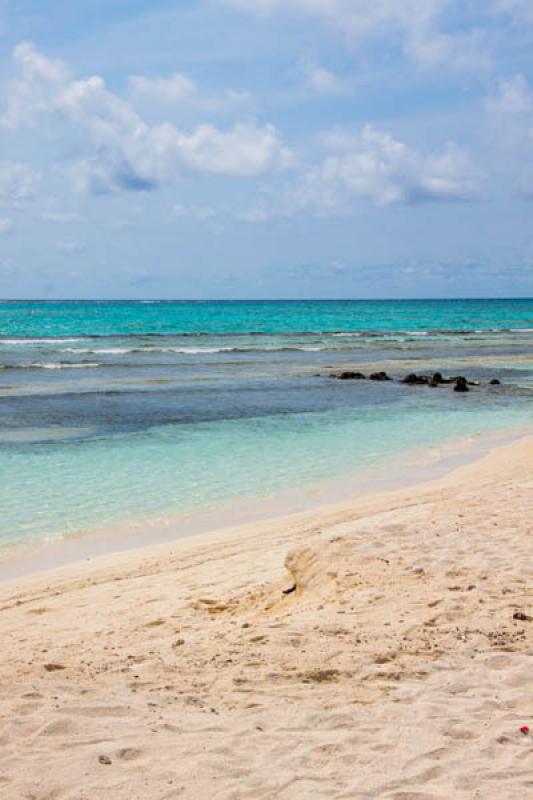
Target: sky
<point x="266" y="148"/>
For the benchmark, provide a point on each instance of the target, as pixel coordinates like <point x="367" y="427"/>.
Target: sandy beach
<point x="378" y="649"/>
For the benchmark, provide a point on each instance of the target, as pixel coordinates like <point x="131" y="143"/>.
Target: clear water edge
<point x="411" y="467"/>
<point x="114" y="413"/>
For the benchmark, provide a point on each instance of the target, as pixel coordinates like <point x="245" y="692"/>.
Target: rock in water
<point x="379" y="376"/>
<point x="460" y="384"/>
<point x="494" y="382"/>
<point x="351" y="376"/>
<point x="414" y="380"/>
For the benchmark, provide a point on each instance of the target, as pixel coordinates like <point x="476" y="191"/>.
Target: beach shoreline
<point x="126" y="411"/>
<point x="381" y="650"/>
<point x="410" y="468"/>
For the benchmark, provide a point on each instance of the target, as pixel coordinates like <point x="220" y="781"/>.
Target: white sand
<point x="183" y="671"/>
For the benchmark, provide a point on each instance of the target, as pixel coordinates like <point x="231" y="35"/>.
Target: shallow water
<point x="117" y="411"/>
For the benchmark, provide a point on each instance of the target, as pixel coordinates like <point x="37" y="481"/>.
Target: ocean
<point x="118" y="411"/>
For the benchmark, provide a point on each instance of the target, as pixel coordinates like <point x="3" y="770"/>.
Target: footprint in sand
<point x="60" y="727"/>
<point x="129" y="753"/>
<point x="462" y="734"/>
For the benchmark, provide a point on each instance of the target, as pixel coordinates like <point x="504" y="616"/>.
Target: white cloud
<point x="180" y="90"/>
<point x="415" y="24"/>
<point x="513" y="96"/>
<point x="373" y="166"/>
<point x="128" y="153"/>
<point x="244" y="150"/>
<point x="38" y="79"/>
<point x="173" y="89"/>
<point x="322" y="81"/>
<point x="160" y="154"/>
<point x="460" y="50"/>
<point x="17" y="182"/>
<point x="510" y="131"/>
<point x="6" y="225"/>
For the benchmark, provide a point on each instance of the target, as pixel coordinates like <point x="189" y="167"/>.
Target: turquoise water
<point x="107" y="318"/>
<point x="123" y="411"/>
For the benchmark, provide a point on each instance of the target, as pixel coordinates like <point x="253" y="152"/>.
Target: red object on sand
<point x="524" y="729"/>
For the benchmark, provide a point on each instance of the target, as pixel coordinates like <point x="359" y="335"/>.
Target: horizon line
<point x="256" y="299"/>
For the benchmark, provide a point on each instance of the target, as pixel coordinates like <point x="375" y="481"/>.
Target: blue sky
<point x="266" y="148"/>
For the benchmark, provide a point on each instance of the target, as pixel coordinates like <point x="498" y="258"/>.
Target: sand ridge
<point x="382" y="649"/>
